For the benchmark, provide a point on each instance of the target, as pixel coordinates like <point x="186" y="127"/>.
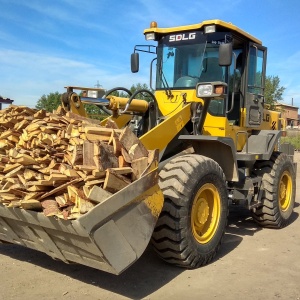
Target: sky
<point x="47" y="45"/>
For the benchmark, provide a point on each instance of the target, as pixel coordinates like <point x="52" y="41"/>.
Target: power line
<point x="98" y="85"/>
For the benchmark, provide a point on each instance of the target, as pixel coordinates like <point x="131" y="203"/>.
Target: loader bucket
<point x="110" y="237"/>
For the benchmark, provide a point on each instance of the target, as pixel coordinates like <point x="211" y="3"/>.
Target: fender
<point x="220" y="149"/>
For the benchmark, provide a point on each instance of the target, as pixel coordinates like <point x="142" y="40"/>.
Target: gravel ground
<point x="253" y="263"/>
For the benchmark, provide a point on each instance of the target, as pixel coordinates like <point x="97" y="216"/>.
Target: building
<point x="289" y="113"/>
<point x="5" y="101"/>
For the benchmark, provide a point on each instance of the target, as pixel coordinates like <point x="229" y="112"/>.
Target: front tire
<point x="192" y="223"/>
<point x="279" y="188"/>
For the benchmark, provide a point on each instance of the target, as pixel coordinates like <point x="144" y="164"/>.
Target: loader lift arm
<point x="208" y="141"/>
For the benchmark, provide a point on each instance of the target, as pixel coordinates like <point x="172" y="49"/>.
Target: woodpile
<point x="64" y="164"/>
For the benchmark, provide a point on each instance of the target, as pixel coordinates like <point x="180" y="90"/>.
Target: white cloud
<point x="85" y="41"/>
<point x="27" y="76"/>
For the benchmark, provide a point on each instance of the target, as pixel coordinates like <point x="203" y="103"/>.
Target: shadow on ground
<point x="146" y="276"/>
<point x="240" y="224"/>
<point x="149" y="273"/>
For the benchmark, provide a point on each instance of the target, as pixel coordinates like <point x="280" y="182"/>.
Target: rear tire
<point x="194" y="216"/>
<point x="279" y="187"/>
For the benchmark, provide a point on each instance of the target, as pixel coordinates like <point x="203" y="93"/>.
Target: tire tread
<point x="170" y="235"/>
<point x="269" y="214"/>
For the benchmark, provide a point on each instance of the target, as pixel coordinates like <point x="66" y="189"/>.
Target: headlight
<point x="204" y="90"/>
<point x="215" y="89"/>
<point x="92" y="94"/>
<point x="210" y="29"/>
<point x="95" y="93"/>
<point x="150" y="36"/>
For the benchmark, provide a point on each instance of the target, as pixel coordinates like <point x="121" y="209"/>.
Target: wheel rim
<point x="285" y="190"/>
<point x="205" y="213"/>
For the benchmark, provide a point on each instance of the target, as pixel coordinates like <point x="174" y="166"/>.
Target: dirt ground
<point x="253" y="263"/>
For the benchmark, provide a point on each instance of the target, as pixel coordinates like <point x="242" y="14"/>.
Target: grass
<point x="293" y="137"/>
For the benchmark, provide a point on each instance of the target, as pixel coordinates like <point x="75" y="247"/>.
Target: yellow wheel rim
<point x="285" y="190"/>
<point x="206" y="212"/>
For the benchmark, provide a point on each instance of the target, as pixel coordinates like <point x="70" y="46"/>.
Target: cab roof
<point x="225" y="25"/>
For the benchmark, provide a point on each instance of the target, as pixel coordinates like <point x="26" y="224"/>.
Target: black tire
<point x="192" y="223"/>
<point x="279" y="187"/>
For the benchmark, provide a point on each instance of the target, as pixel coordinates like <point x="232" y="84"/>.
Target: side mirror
<point x="134" y="62"/>
<point x="225" y="54"/>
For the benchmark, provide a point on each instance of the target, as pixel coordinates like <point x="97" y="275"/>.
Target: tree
<point x="134" y="88"/>
<point x="141" y="86"/>
<point x="52" y="101"/>
<point x="49" y="102"/>
<point x="273" y="90"/>
<point x="95" y="112"/>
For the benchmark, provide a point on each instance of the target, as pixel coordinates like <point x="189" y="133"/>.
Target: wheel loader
<point x="216" y="145"/>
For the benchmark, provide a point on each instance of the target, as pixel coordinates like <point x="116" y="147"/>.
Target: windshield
<point x="187" y="58"/>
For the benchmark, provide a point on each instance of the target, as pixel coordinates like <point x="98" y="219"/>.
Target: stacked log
<point x="64" y="164"/>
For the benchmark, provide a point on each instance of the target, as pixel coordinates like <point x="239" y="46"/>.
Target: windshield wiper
<point x="165" y="82"/>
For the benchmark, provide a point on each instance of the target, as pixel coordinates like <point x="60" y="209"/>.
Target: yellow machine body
<point x="223" y="118"/>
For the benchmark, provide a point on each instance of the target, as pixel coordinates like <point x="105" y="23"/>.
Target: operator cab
<point x="186" y="59"/>
<point x="189" y="55"/>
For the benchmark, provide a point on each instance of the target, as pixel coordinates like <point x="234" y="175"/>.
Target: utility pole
<point x="98" y="85"/>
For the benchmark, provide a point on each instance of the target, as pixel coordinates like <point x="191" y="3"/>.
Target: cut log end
<point x="63" y="164"/>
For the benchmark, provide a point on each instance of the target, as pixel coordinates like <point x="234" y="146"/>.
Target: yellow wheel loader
<point x="215" y="144"/>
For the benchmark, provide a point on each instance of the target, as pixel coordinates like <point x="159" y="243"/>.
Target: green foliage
<point x="134" y="88"/>
<point x="52" y="101"/>
<point x="294" y="140"/>
<point x="273" y="90"/>
<point x="140" y="86"/>
<point x="49" y="102"/>
<point x="94" y="112"/>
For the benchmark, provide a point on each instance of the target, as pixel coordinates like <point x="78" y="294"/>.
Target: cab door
<point x="256" y="64"/>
